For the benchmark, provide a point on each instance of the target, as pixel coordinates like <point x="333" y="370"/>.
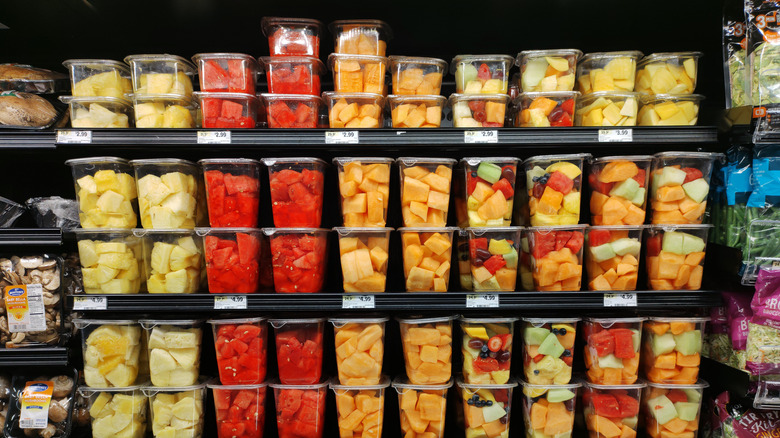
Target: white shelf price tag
<point x="213" y="137"/>
<point x="481" y="136"/>
<point x="342" y="137"/>
<point x="615" y="135"/>
<point x="230" y="302"/>
<point x="357" y="302"/>
<point x="74" y="137"/>
<point x="620" y="300"/>
<point x="90" y="303"/>
<point x="481" y="300"/>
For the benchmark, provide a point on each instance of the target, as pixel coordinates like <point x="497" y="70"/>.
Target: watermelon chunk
<point x="215" y="78"/>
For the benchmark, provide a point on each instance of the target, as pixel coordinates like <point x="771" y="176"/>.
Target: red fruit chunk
<point x="575" y="242"/>
<point x="298" y="262"/>
<point x="640" y="177"/>
<point x="215" y="78"/>
<point x="605" y="405"/>
<point x="598" y="186"/>
<point x="494" y="344"/>
<point x="564" y="119"/>
<point x="561" y="239"/>
<point x="568" y="106"/>
<point x="299" y="355"/>
<point x="603" y="342"/>
<point x="654" y="245"/>
<point x="245" y="416"/>
<point x="677" y="395"/>
<point x="492" y="125"/>
<point x="477" y="105"/>
<point x="691" y="174"/>
<point x="543" y="244"/>
<point x="241" y="355"/>
<point x="624" y="343"/>
<point x="560" y="182"/>
<point x="505" y="187"/>
<point x="485" y="365"/>
<point x="598" y="237"/>
<point x="212" y="108"/>
<point x="231" y="267"/>
<point x="475" y="244"/>
<point x="296" y="198"/>
<point x="483" y="73"/>
<point x="494" y="263"/>
<point x="629" y="406"/>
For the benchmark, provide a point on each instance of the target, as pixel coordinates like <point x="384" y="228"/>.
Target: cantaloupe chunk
<point x="694" y="281"/>
<point x="627" y="432"/>
<point x="538" y="416"/>
<point x="669" y="264"/>
<point x="625" y="282"/>
<point x="559" y="420"/>
<point x="670" y="193"/>
<point x="666" y="361"/>
<point x="473" y="416"/>
<point x="613" y="211"/>
<point x="494" y="428"/>
<point x="430" y="406"/>
<point x="675" y="425"/>
<point x="616" y="171"/>
<point x="694" y="258"/>
<point x="691" y="360"/>
<point x="612" y="376"/>
<point x="605" y="427"/>
<point x="600" y="283"/>
<point x="679" y="327"/>
<point x="694" y="216"/>
<point x="635" y="216"/>
<point x="661" y="285"/>
<point x="597" y="201"/>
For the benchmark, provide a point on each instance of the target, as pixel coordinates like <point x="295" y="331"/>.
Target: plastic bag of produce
<point x="739" y="313"/>
<point x="763" y="340"/>
<point x="763" y="209"/>
<point x="734" y="53"/>
<point x="718" y="345"/>
<point x="739" y="419"/>
<point x="737" y="174"/>
<point x="763" y="52"/>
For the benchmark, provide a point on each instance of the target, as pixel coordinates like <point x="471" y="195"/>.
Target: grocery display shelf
<point x="48" y="356"/>
<point x="30" y="236"/>
<point x="722" y="377"/>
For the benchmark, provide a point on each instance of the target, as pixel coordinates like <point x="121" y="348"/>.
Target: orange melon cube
<point x="605" y="427"/>
<point x="608" y="264"/>
<point x="376" y="207"/>
<point x="658" y="328"/>
<point x="552" y="198"/>
<point x="555" y="287"/>
<point x="661" y="285"/>
<point x="670" y="194"/>
<point x="669" y="217"/>
<point x="494" y="428"/>
<point x="625" y="282"/>
<point x="668" y="434"/>
<point x="597" y="201"/>
<point x="627" y="432"/>
<point x="669" y="264"/>
<point x="414" y="190"/>
<point x="495" y="112"/>
<point x="682" y="276"/>
<point x="675" y="425"/>
<point x="559" y="420"/>
<point x="354" y="204"/>
<point x="507" y="278"/>
<point x="548" y="271"/>
<point x="631" y="366"/>
<point x="351" y="421"/>
<point x="494" y="207"/>
<point x="666" y="361"/>
<point x="378" y="172"/>
<point x="568" y="270"/>
<point x="692" y="425"/>
<point x="482" y="191"/>
<point x="600" y="283"/>
<point x="538" y="416"/>
<point x="694" y="281"/>
<point x="688" y="375"/>
<point x="694" y="258"/>
<point x="348" y="189"/>
<point x="372" y="283"/>
<point x="629" y="259"/>
<point x="613" y="211"/>
<point x="687" y="205"/>
<point x="625" y="268"/>
<point x="635" y="216"/>
<point x="612" y="376"/>
<point x="473" y="416"/>
<point x="430" y="407"/>
<point x="679" y="327"/>
<point x="616" y="171"/>
<point x="666" y="206"/>
<point x="694" y="216"/>
<point x="691" y="360"/>
<point x="410" y="239"/>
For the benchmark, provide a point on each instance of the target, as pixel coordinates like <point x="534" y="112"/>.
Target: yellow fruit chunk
<point x="365" y="193"/>
<point x="111" y="355"/>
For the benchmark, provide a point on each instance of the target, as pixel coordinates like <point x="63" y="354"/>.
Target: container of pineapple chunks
<point x="106" y="192"/>
<point x="361" y="37"/>
<point x="112" y="351"/>
<point x="668" y="73"/>
<point x="547" y="70"/>
<point x="98" y="77"/>
<point x="111" y="261"/>
<point x="161" y="74"/>
<point x="99" y="112"/>
<point x="173" y="260"/>
<point x="177" y="411"/>
<point x="116" y="411"/>
<point x="607" y="108"/>
<point x="355" y="110"/>
<point x="163" y="111"/>
<point x="174" y="351"/>
<point x="669" y="109"/>
<point x="169" y="192"/>
<point x="607" y="71"/>
<point x="417" y="75"/>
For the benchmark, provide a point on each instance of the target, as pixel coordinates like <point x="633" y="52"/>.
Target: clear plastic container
<point x="297" y="190"/>
<point x="668" y="73"/>
<point x="359" y="349"/>
<point x="671" y="348"/>
<point x="619" y="183"/>
<point x="526" y="273"/>
<point x="292" y="36"/>
<point x="416" y="111"/>
<point x="10" y="212"/>
<point x="358" y="73"/>
<point x="117" y="411"/>
<point x="425" y="190"/>
<point x="549" y="409"/>
<point x="299" y="257"/>
<point x="293" y="74"/>
<point x="98" y="77"/>
<point x="364" y="185"/>
<point x="168" y="192"/>
<point x="163" y="111"/>
<point x="177" y="411"/>
<point x="479" y="180"/>
<point x="300" y="409"/>
<point x="607" y="71"/>
<point x="670" y="110"/>
<point x="679" y="186"/>
<point x="46" y="82"/>
<point x="557" y="270"/>
<point x="174" y="351"/>
<point x="548" y="350"/>
<point x="423" y="408"/>
<point x="99" y="112"/>
<point x="355" y="110"/>
<point x="612" y="410"/>
<point x="173" y="260"/>
<point x="547" y="70"/>
<point x="361" y="408"/>
<point x="494" y="255"/>
<point x="361" y="37"/>
<point x="429" y="338"/>
<point x="232" y="259"/>
<point x="554" y="185"/>
<point x="487" y="349"/>
<point x="417" y="75"/>
<point x="612" y="257"/>
<point x="226" y="72"/>
<point x="427" y="254"/>
<point x="111" y="351"/>
<point x="478" y="110"/>
<point x="111" y="261"/>
<point x="292" y="110"/>
<point x="241" y="346"/>
<point x="227" y="110"/>
<point x="486" y="408"/>
<point x="612" y="349"/>
<point x="299" y="350"/>
<point x="232" y="191"/>
<point x="106" y="192"/>
<point x="670" y="408"/>
<point x="675" y="256"/>
<point x="607" y="108"/>
<point x="545" y="109"/>
<point x="464" y="260"/>
<point x="161" y="74"/>
<point x="487" y="74"/>
<point x="240" y="410"/>
<point x="364" y="255"/>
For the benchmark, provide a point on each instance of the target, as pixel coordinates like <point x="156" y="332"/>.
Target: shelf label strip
<point x="615" y="135"/>
<point x="620" y="300"/>
<point x="479" y="301"/>
<point x="357" y="302"/>
<point x="213" y="137"/>
<point x="90" y="303"/>
<point x="342" y="137"/>
<point x="70" y="136"/>
<point x="230" y="302"/>
<point x="481" y="136"/>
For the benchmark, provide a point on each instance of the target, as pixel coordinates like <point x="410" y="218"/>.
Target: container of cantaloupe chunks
<point x="679" y="186"/>
<point x="416" y="111"/>
<point x="417" y="75"/>
<point x="364" y="185"/>
<point x="359" y="349"/>
<point x="425" y="190"/>
<point x="361" y="37"/>
<point x="673" y="410"/>
<point x="423" y="407"/>
<point x="670" y="110"/>
<point x="675" y="256"/>
<point x="671" y="349"/>
<point x="117" y="411"/>
<point x="174" y="348"/>
<point x="607" y="71"/>
<point x="111" y="351"/>
<point x="179" y="410"/>
<point x="427" y="254"/>
<point x="364" y="256"/>
<point x="106" y="192"/>
<point x="429" y="339"/>
<point x="486" y="408"/>
<point x="355" y="110"/>
<point x="668" y="73"/>
<point x="361" y="407"/>
<point x="111" y="261"/>
<point x="358" y="73"/>
<point x="549" y="409"/>
<point x="612" y="410"/>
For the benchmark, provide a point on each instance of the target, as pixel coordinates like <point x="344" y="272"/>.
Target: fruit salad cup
<point x="227" y="110"/>
<point x="232" y="259"/>
<point x="667" y="73"/>
<point x="360" y="37"/>
<point x="607" y="108"/>
<point x="427" y="254"/>
<point x="557" y="269"/>
<point x="289" y="111"/>
<point x="172" y="260"/>
<point x="232" y="191"/>
<point x="673" y="410"/>
<point x="487" y="408"/>
<point x="364" y="256"/>
<point x="360" y="349"/>
<point x="547" y="70"/>
<point x="612" y="411"/>
<point x="478" y="110"/>
<point x="300" y="409"/>
<point x="671" y="349"/>
<point x="545" y="109"/>
<point x="618" y="189"/>
<point x="111" y="261"/>
<point x="98" y="78"/>
<point x="174" y="348"/>
<point x="487" y="193"/>
<point x="423" y="407"/>
<point x="427" y="346"/>
<point x="293" y="74"/>
<point x="241" y="345"/>
<point x="416" y="111"/>
<point x="161" y="74"/>
<point x="679" y="186"/>
<point x="292" y="36"/>
<point x="164" y="111"/>
<point x="240" y="410"/>
<point x="487" y="349"/>
<point x="226" y="72"/>
<point x="548" y="351"/>
<point x="487" y="74"/>
<point x="168" y="193"/>
<point x="354" y="110"/>
<point x="297" y="188"/>
<point x="464" y="260"/>
<point x="364" y="184"/>
<point x="111" y="351"/>
<point x="106" y="192"/>
<point x="554" y="183"/>
<point x="416" y="75"/>
<point x="494" y="254"/>
<point x="117" y="411"/>
<point x="670" y="110"/>
<point x="99" y="112"/>
<point x="612" y="350"/>
<point x="607" y="71"/>
<point x="360" y="408"/>
<point x="612" y="257"/>
<point x="425" y="190"/>
<point x="548" y="410"/>
<point x="299" y="258"/>
<point x="358" y="73"/>
<point x="299" y="350"/>
<point x="675" y="256"/>
<point x="177" y="410"/>
<point x="526" y="267"/>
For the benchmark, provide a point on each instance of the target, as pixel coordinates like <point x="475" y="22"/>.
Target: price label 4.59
<point x="357" y="302"/>
<point x="90" y="303"/>
<point x="481" y="300"/>
<point x="481" y="136"/>
<point x="230" y="302"/>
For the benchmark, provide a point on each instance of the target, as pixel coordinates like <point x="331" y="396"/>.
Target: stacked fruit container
<point x="416" y="101"/>
<point x="100" y="91"/>
<point x="162" y="91"/>
<point x="481" y="90"/>
<point x="227" y="90"/>
<point x="667" y="82"/>
<point x="546" y="82"/>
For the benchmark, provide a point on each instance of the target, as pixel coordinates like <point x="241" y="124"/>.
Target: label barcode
<point x="26" y="424"/>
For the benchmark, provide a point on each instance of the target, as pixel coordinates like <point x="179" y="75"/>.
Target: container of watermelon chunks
<point x="556" y="257"/>
<point x="226" y="72"/>
<point x="612" y="350"/>
<point x="292" y="36"/>
<point x="673" y="410"/>
<point x="554" y="183"/>
<point x="293" y="74"/>
<point x="300" y="409"/>
<point x="242" y="346"/>
<point x="618" y="191"/>
<point x="612" y="257"/>
<point x="675" y="256"/>
<point x="548" y="410"/>
<point x="297" y="188"/>
<point x="232" y="191"/>
<point x="612" y="410"/>
<point x="240" y="410"/>
<point x="292" y="110"/>
<point x="679" y="185"/>
<point x="299" y="350"/>
<point x="227" y="110"/>
<point x="232" y="259"/>
<point x="299" y="258"/>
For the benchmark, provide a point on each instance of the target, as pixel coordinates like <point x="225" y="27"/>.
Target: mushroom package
<point x="60" y="407"/>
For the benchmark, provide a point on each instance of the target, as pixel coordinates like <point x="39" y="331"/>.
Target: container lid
<point x="679" y="318"/>
<point x="609" y="95"/>
<point x="85" y="322"/>
<point x="205" y="231"/>
<point x="560" y="157"/>
<point x="674" y="154"/>
<point x="510" y="384"/>
<point x="403" y="383"/>
<point x="551" y="94"/>
<point x="152" y="390"/>
<point x="279" y="385"/>
<point x="638" y="385"/>
<point x="622" y="158"/>
<point x="217" y="321"/>
<point x="480" y="58"/>
<point x="482" y="230"/>
<point x="557" y="228"/>
<point x="370" y="160"/>
<point x="655" y="98"/>
<point x="333" y="57"/>
<point x="142" y="232"/>
<point x="317" y="66"/>
<point x="200" y="95"/>
<point x="79" y="231"/>
<point x="151" y="323"/>
<point x="96" y="160"/>
<point x="618" y="227"/>
<point x="207" y="161"/>
<point x="384" y="382"/>
<point x="269" y="22"/>
<point x="417" y="319"/>
<point x="87" y="391"/>
<point x="335" y="26"/>
<point x="473" y="161"/>
<point x="292" y="160"/>
<point x="636" y="54"/>
<point x="161" y="57"/>
<point x="366" y="319"/>
<point x="456" y="97"/>
<point x="237" y="387"/>
<point x="428" y="229"/>
<point x="96" y="63"/>
<point x="551" y="52"/>
<point x="345" y="231"/>
<point x="542" y="320"/>
<point x="268" y="97"/>
<point x="84" y="100"/>
<point x="332" y="95"/>
<point x="656" y="57"/>
<point x="492" y="320"/>
<point x="163" y="161"/>
<point x="413" y="161"/>
<point x="178" y="98"/>
<point x="281" y="322"/>
<point x="224" y="55"/>
<point x="272" y="231"/>
<point x="398" y="59"/>
<point x="701" y="384"/>
<point x="412" y="98"/>
<point x="611" y="321"/>
<point x="671" y="227"/>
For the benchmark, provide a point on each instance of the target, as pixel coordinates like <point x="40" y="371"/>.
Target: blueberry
<point x="489" y="402"/>
<point x="566" y="353"/>
<point x="535" y="179"/>
<point x="474" y="174"/>
<point x="470" y="402"/>
<point x="484" y="348"/>
<point x="562" y="331"/>
<point x="483" y="355"/>
<point x="536" y="372"/>
<point x="555" y="331"/>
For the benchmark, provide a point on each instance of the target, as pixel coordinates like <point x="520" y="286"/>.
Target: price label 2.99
<point x="482" y="136"/>
<point x="342" y="137"/>
<point x="230" y="302"/>
<point x="481" y="300"/>
<point x="90" y="303"/>
<point x="357" y="302"/>
<point x="213" y="137"/>
<point x="74" y="137"/>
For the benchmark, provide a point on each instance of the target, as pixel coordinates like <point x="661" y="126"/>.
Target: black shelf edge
<point x="20" y="139"/>
<point x="46" y="356"/>
<point x="30" y="236"/>
<point x="722" y="377"/>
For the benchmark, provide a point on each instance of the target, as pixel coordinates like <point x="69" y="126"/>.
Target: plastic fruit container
<point x="161" y="74"/>
<point x="487" y="349"/>
<point x="494" y="254"/>
<point x="354" y="110"/>
<point x="607" y="71"/>
<point x="549" y="409"/>
<point x="557" y="269"/>
<point x="293" y="74"/>
<point x="673" y="409"/>
<point x="364" y="184"/>
<point x="607" y="108"/>
<point x="232" y="191"/>
<point x="554" y="185"/>
<point x="671" y="349"/>
<point x="423" y="408"/>
<point x="241" y="346"/>
<point x="111" y="351"/>
<point x="300" y="409"/>
<point x="417" y="75"/>
<point x="487" y="191"/>
<point x="427" y="254"/>
<point x="297" y="190"/>
<point x="226" y="72"/>
<point x="240" y="410"/>
<point x="360" y="37"/>
<point x="675" y="256"/>
<point x="679" y="186"/>
<point x="667" y="73"/>
<point x="464" y="260"/>
<point x="359" y="350"/>
<point x="364" y="256"/>
<point x="292" y="110"/>
<point x="618" y="189"/>
<point x="176" y="410"/>
<point x="232" y="259"/>
<point x="545" y="109"/>
<point x="612" y="410"/>
<point x="111" y="261"/>
<point x="478" y="110"/>
<point x="174" y="348"/>
<point x="361" y="408"/>
<point x="163" y="111"/>
<point x="487" y="74"/>
<point x="299" y="350"/>
<point x="99" y="112"/>
<point x="299" y="258"/>
<point x="486" y="408"/>
<point x="416" y="111"/>
<point x="548" y="350"/>
<point x="116" y="411"/>
<point x="612" y="349"/>
<point x="358" y="73"/>
<point x="425" y="190"/>
<point x="98" y="77"/>
<point x="292" y="36"/>
<point x="670" y="110"/>
<point x="227" y="110"/>
<point x="526" y="274"/>
<point x="429" y="338"/>
<point x="173" y="260"/>
<point x="106" y="192"/>
<point x="547" y="70"/>
<point x="168" y="192"/>
<point x="612" y="257"/>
